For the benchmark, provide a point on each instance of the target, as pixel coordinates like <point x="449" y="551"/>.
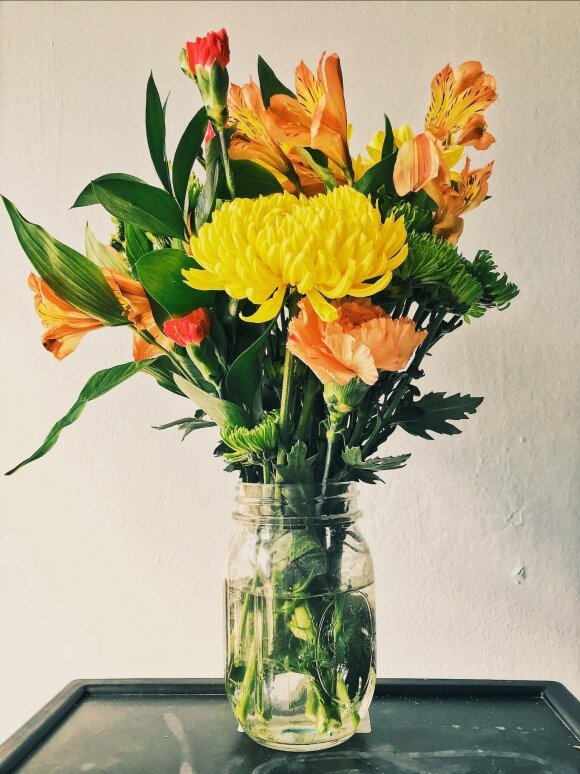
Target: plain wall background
<point x="113" y="546"/>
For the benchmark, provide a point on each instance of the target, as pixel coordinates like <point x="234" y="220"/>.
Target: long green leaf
<point x="389" y="146"/>
<point x="160" y="272"/>
<point x="206" y="199"/>
<point x="253" y="180"/>
<point x="380" y="174"/>
<point x="269" y="83"/>
<point x="136" y="243"/>
<point x="104" y="256"/>
<point x="244" y="376"/>
<point x="162" y="370"/>
<point x="72" y="276"/>
<point x="98" y="385"/>
<point x="186" y="153"/>
<point x="88" y="197"/>
<point x="155" y="128"/>
<point x="152" y="209"/>
<point x="223" y="412"/>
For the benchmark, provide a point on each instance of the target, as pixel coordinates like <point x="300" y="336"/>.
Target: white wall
<point x="113" y="546"/>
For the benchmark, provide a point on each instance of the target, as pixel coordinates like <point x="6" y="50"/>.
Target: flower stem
<point x="226" y="163"/>
<point x="310" y="393"/>
<point x="287" y="382"/>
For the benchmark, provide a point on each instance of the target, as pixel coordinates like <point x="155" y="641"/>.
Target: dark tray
<point x="186" y="727"/>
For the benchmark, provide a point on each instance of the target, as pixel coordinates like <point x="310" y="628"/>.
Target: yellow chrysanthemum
<point x="326" y="246"/>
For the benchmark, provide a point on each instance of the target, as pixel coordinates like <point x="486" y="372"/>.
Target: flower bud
<point x="191" y="329"/>
<point x="207" y="59"/>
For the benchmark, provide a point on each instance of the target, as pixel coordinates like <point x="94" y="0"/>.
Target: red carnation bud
<point x="213" y="47"/>
<point x="191" y="329"/>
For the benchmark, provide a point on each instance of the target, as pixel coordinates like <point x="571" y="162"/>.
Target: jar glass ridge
<point x="300" y="615"/>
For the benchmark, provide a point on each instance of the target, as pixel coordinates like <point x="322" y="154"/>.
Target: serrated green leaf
<point x="161" y="274"/>
<point x="245" y="373"/>
<point x="155" y="129"/>
<point x="365" y="470"/>
<point x="432" y="414"/>
<point x="253" y="180"/>
<point x="223" y="412"/>
<point x="151" y="209"/>
<point x="186" y="153"/>
<point x="498" y="292"/>
<point x="269" y="83"/>
<point x="187" y="425"/>
<point x="99" y="384"/>
<point x="378" y="176"/>
<point x="298" y="468"/>
<point x="88" y="197"/>
<point x="72" y="276"/>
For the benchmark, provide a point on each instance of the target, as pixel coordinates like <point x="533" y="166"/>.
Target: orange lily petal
<point x="417" y="162"/>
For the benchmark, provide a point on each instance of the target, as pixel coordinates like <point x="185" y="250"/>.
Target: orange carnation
<point x="362" y="341"/>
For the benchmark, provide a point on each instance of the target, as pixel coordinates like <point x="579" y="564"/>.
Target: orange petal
<point x="417" y="163"/>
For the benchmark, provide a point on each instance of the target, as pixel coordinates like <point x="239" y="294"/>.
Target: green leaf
<point x="379" y="175"/>
<point x="72" y="276"/>
<point x="155" y="128"/>
<point x="432" y="414"/>
<point x="389" y="146"/>
<point x="136" y="244"/>
<point x="187" y="425"/>
<point x="98" y="385"/>
<point x="162" y="370"/>
<point x="365" y="470"/>
<point x="186" y="153"/>
<point x="498" y="292"/>
<point x="298" y="468"/>
<point x="152" y="209"/>
<point x="160" y="273"/>
<point x="104" y="256"/>
<point x="269" y="83"/>
<point x="87" y="196"/>
<point x="206" y="199"/>
<point x="221" y="411"/>
<point x="253" y="180"/>
<point x="245" y="373"/>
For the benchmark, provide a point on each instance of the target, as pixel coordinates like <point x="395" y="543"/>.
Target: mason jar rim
<point x="296" y="503"/>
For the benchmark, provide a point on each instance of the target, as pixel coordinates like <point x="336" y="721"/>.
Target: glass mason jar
<point x="300" y="615"/>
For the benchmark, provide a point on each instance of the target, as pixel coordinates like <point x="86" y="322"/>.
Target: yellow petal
<point x="269" y="309"/>
<point x="199" y="279"/>
<point x="321" y="306"/>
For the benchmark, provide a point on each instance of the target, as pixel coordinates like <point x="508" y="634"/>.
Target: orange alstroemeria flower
<point x="418" y="161"/>
<point x="67" y="325"/>
<point x="362" y="341"/>
<point x="458" y="98"/>
<point x="316" y="118"/>
<point x="470" y="190"/>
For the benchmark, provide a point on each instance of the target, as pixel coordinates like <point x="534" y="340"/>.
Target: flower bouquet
<point x="291" y="291"/>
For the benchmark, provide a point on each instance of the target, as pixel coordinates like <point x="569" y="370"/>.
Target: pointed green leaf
<point x="136" y="243"/>
<point x="380" y="174"/>
<point x="269" y="83"/>
<point x="98" y="385"/>
<point x="161" y="274"/>
<point x="206" y="199"/>
<point x="186" y="153"/>
<point x="223" y="412"/>
<point x="365" y="470"/>
<point x="187" y="425"/>
<point x="432" y="412"/>
<point x="389" y="146"/>
<point x="104" y="256"/>
<point x="72" y="276"/>
<point x="152" y="209"/>
<point x="155" y="128"/>
<point x="245" y="374"/>
<point x="88" y="197"/>
<point x="253" y="180"/>
<point x="162" y="370"/>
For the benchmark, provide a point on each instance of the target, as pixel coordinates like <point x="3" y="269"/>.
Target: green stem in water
<point x="226" y="162"/>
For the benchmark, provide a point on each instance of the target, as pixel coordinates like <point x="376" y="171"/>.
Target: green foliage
<point x="389" y="146"/>
<point x="104" y="256"/>
<point x="432" y="414"/>
<point x="99" y="384"/>
<point x="187" y="151"/>
<point x="188" y="425"/>
<point x="155" y="128"/>
<point x="206" y="198"/>
<point x="498" y="292"/>
<point x="88" y="197"/>
<point x="72" y="276"/>
<point x="417" y="218"/>
<point x="163" y="370"/>
<point x="269" y="83"/>
<point x="358" y="469"/>
<point x="160" y="272"/>
<point x="151" y="209"/>
<point x="136" y="244"/>
<point x="223" y="412"/>
<point x="299" y="467"/>
<point x="245" y="373"/>
<point x="255" y="440"/>
<point x="253" y="180"/>
<point x="379" y="176"/>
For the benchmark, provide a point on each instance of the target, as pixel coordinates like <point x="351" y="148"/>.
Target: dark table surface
<point x="186" y="727"/>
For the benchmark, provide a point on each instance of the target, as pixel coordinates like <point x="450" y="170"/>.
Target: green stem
<point x="310" y="393"/>
<point x="287" y="382"/>
<point x="226" y="163"/>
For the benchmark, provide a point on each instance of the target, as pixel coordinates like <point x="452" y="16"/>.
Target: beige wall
<point x="112" y="547"/>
